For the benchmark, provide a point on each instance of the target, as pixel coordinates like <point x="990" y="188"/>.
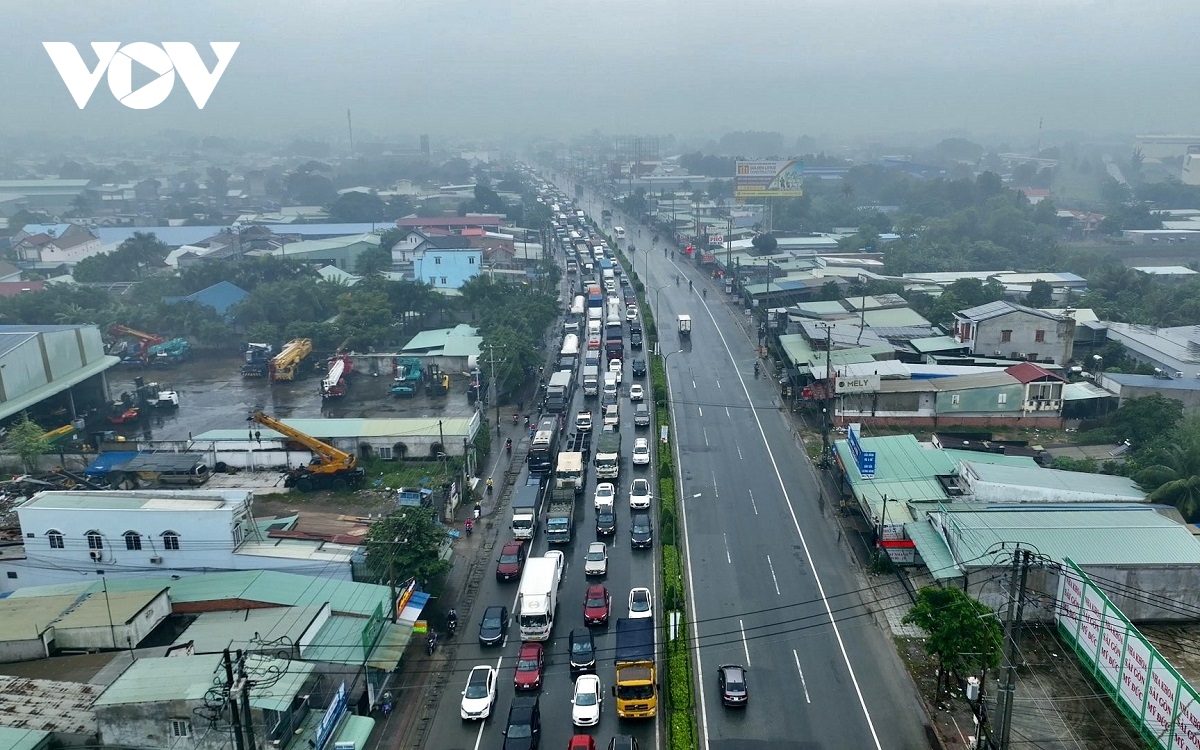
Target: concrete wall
<point x="1058" y="344"/>
<point x="125" y="634"/>
<point x="455" y="266"/>
<point x="996" y="421"/>
<point x="149" y="725"/>
<point x="1189" y="399"/>
<point x="982" y="401"/>
<point x="29" y="649"/>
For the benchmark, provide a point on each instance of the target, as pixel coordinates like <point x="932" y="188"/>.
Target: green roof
<point x="905" y="471"/>
<point x="189" y="678"/>
<point x="934" y="552"/>
<point x="23" y="739"/>
<point x="338" y="642"/>
<point x="935" y="344"/>
<point x="213" y="631"/>
<point x="802" y="354"/>
<point x="818" y="309"/>
<point x="1124" y="535"/>
<point x="896" y="317"/>
<point x="460" y="341"/>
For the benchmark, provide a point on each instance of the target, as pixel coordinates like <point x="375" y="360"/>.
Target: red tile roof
<point x="41" y="238"/>
<point x="13" y="288"/>
<point x="1028" y="372"/>
<point x="473" y="232"/>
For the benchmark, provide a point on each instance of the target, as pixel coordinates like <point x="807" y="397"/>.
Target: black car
<point x="639" y="368"/>
<point x="635" y="340"/>
<point x="635" y="325"/>
<point x="622" y="742"/>
<point x="731" y="681"/>
<point x="493" y="626"/>
<point x="641" y="532"/>
<point x="606" y="523"/>
<point x="583" y="651"/>
<point x="524" y="728"/>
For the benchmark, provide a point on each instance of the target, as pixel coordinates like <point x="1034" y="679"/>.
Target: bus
<point x="570" y="347"/>
<point x="620" y="231"/>
<point x="544" y="447"/>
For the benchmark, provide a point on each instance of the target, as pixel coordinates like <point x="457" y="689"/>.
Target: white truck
<point x="685" y="325"/>
<point x="537" y="599"/>
<point x="591" y="381"/>
<point x="526" y="505"/>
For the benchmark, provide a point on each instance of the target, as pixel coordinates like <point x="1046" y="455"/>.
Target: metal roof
<point x="48" y="705"/>
<point x="236" y="629"/>
<point x="189" y="678"/>
<point x="169" y="500"/>
<point x="1149" y="381"/>
<point x="23" y="739"/>
<point x="1130" y="535"/>
<point x="979" y="380"/>
<point x="934" y="552"/>
<point x="351" y="428"/>
<point x="895" y="317"/>
<point x="23" y="620"/>
<point x="101" y="609"/>
<point x="1083" y="391"/>
<point x="936" y="344"/>
<point x="998" y="308"/>
<point x="1072" y="482"/>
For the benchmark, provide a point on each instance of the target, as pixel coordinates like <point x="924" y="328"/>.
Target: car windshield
<point x="509" y="559"/>
<point x="641" y="527"/>
<point x="596" y="554"/>
<point x="477" y="688"/>
<point x="597" y="601"/>
<point x="639" y="603"/>
<point x="491" y="623"/>
<point x="519" y="731"/>
<point x="585" y="699"/>
<point x="581" y="648"/>
<point x="527" y="665"/>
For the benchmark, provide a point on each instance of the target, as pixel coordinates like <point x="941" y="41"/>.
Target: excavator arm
<point x="331" y="459"/>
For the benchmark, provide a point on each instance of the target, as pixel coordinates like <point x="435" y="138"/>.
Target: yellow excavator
<point x="329" y="469"/>
<point x="287" y="362"/>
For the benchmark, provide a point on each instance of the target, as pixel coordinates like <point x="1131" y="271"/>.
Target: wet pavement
<point x="213" y="396"/>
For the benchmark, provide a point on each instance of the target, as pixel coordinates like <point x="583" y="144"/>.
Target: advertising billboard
<point x="769" y="178"/>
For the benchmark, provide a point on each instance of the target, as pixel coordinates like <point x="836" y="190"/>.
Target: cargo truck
<point x="608" y="455"/>
<point x="560" y="519"/>
<point x="559" y="391"/>
<point x="537" y="599"/>
<point x="685" y="326"/>
<point x="526" y="506"/>
<point x="591" y="381"/>
<point x="636" y="685"/>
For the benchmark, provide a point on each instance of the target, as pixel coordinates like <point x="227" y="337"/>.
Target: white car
<point x="641" y="603"/>
<point x="586" y="702"/>
<point x="606" y="495"/>
<point x="595" y="562"/>
<point x="583" y="421"/>
<point x="615" y="367"/>
<point x="631" y="313"/>
<point x="612" y="417"/>
<point x="639" y="493"/>
<point x="641" y="454"/>
<point x="480" y="694"/>
<point x="636" y="392"/>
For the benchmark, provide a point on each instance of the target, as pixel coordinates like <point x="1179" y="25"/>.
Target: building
<point x="1006" y="329"/>
<point x="1175" y="351"/>
<point x="221" y="296"/>
<point x="115" y="534"/>
<point x="342" y="252"/>
<point x="36" y="628"/>
<point x="454" y="349"/>
<point x="51" y="196"/>
<point x="48" y="249"/>
<point x="488" y="222"/>
<point x="56" y="367"/>
<point x="1127" y="386"/>
<point x="60" y="710"/>
<point x="162" y="702"/>
<point x="447" y="268"/>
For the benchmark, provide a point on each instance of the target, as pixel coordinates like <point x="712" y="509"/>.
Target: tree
<point x="407" y="544"/>
<point x="26" y="439"/>
<point x="358" y="208"/>
<point x="308" y="189"/>
<point x="1175" y="480"/>
<point x="373" y="262"/>
<point x="1041" y="294"/>
<point x="365" y="319"/>
<point x="389" y="238"/>
<point x="218" y="184"/>
<point x="964" y="634"/>
<point x="1141" y="420"/>
<point x="765" y="243"/>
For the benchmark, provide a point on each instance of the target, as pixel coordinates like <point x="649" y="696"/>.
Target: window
<point x="1039" y="336"/>
<point x="385" y="452"/>
<point x="471" y="260"/>
<point x="170" y="540"/>
<point x="432" y="280"/>
<point x="181" y="728"/>
<point x="95" y="541"/>
<point x="1002" y="398"/>
<point x="133" y="540"/>
<point x="954" y="399"/>
<point x="56" y="539"/>
<point x="237" y="534"/>
<point x="437" y="260"/>
<point x="1005" y="337"/>
<point x="12" y="574"/>
<point x="443" y="280"/>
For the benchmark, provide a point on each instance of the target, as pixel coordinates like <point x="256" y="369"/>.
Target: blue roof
<point x="176" y="236"/>
<point x="1149" y="381"/>
<point x="106" y="462"/>
<point x="220" y="296"/>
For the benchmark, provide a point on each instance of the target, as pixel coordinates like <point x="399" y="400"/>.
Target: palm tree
<point x="1176" y="481"/>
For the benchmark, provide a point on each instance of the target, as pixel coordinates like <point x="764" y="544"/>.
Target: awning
<point x="933" y="550"/>
<point x="392" y="642"/>
<point x="1084" y="391"/>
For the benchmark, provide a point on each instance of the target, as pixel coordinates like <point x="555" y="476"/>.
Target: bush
<point x="672" y="585"/>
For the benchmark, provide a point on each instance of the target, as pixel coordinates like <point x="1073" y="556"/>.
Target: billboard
<point x="861" y="384"/>
<point x="769" y="178"/>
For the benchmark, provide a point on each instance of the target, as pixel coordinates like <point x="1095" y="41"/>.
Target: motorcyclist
<point x="469" y="526"/>
<point x="451" y="620"/>
<point x="689" y="285"/>
<point x="431" y="644"/>
<point x="676" y="279"/>
<point x="756" y="369"/>
<point x="508" y="446"/>
<point x="704" y="293"/>
<point x="490" y="484"/>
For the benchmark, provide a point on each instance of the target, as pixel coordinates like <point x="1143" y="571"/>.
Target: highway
<point x="626" y="569"/>
<point x="770" y="587"/>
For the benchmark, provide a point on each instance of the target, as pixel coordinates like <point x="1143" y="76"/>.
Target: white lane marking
<point x="773" y="578"/>
<point x="718" y="383"/>
<point x="803" y="682"/>
<point x="727" y="414"/>
<point x="693" y="383"/>
<point x="705" y="431"/>
<point x="715" y="493"/>
<point x="837" y="632"/>
<point x="745" y="643"/>
<point x="752" y="503"/>
<point x="728" y="559"/>
<point x="739" y="449"/>
<point x="701" y="410"/>
<point x="696" y="494"/>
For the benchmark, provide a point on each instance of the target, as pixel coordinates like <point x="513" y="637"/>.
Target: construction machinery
<point x="333" y="385"/>
<point x="60" y="435"/>
<point x="125" y="409"/>
<point x="133" y="347"/>
<point x="329" y="468"/>
<point x="169" y="352"/>
<point x="257" y="361"/>
<point x="286" y="364"/>
<point x="409" y="372"/>
<point x="155" y="395"/>
<point x="438" y="382"/>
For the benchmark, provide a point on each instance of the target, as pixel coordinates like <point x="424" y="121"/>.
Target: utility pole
<point x="828" y="403"/>
<point x="1016" y="605"/>
<point x="495" y="389"/>
<point x="244" y="681"/>
<point x="232" y="697"/>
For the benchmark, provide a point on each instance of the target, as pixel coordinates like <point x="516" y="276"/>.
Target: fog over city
<point x="468" y="68"/>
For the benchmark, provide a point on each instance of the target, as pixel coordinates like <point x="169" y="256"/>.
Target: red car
<point x="530" y="661"/>
<point x="581" y="742"/>
<point x="596" y="604"/>
<point x="512" y="560"/>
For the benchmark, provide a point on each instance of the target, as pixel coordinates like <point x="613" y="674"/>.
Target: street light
<point x="656" y="291"/>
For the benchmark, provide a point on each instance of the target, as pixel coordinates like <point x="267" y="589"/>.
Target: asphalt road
<point x="627" y="569"/>
<point x="770" y="586"/>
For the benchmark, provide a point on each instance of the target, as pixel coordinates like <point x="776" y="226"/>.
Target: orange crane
<point x="329" y="468"/>
<point x="286" y="363"/>
<point x="144" y="342"/>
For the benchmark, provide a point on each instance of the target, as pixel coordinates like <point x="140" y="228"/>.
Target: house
<point x="454" y="349"/>
<point x="447" y="268"/>
<point x="1042" y="390"/>
<point x="58" y="710"/>
<point x="1005" y="328"/>
<point x="37" y="627"/>
<point x="1034" y="195"/>
<point x="1174" y="350"/>
<point x="416" y="242"/>
<point x="69" y="536"/>
<point x="75" y="243"/>
<point x="342" y="252"/>
<point x="1127" y="386"/>
<point x="221" y="296"/>
<point x="9" y="272"/>
<point x="490" y="222"/>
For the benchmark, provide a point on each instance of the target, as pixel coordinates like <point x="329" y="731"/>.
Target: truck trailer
<point x="636" y="688"/>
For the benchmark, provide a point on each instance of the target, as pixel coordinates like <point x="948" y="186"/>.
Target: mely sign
<point x="117" y="60"/>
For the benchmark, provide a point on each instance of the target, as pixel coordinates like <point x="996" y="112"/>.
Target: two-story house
<point x="1008" y="330"/>
<point x="445" y="262"/>
<point x="75" y="243"/>
<point x="73" y="536"/>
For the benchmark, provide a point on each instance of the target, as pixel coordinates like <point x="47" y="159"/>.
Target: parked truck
<point x="537" y="599"/>
<point x="636" y="685"/>
<point x="591" y="381"/>
<point x="526" y="506"/>
<point x="608" y="455"/>
<point x="685" y="326"/>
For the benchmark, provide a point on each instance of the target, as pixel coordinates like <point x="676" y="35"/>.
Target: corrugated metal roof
<point x="99" y="609"/>
<point x="969" y="382"/>
<point x="23" y="739"/>
<point x="895" y="317"/>
<point x="189" y="678"/>
<point x="339" y="641"/>
<point x="1075" y="482"/>
<point x="998" y="308"/>
<point x="22" y="619"/>
<point x="935" y="344"/>
<point x="934" y="552"/>
<point x="1083" y="391"/>
<point x="48" y="705"/>
<point x="213" y="631"/>
<point x="1126" y="536"/>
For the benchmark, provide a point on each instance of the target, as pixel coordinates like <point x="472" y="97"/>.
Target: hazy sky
<point x="475" y="68"/>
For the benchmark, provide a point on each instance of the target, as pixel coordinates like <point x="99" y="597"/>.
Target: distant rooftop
<point x="180" y="500"/>
<point x="189" y="678"/>
<point x="998" y="308"/>
<point x="1070" y="482"/>
<point x="48" y="705"/>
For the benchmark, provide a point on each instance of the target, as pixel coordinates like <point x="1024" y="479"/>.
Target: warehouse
<point x="55" y="373"/>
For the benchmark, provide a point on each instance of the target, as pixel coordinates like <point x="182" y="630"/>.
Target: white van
<point x="609" y="392"/>
<point x="577" y="306"/>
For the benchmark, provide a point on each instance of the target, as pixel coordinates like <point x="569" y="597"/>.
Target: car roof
<point x="641" y="480"/>
<point x="641" y="441"/>
<point x="586" y="678"/>
<point x="498" y="607"/>
<point x="597" y="588"/>
<point x="581" y="633"/>
<point x="529" y="646"/>
<point x="733" y="670"/>
<point x="480" y="668"/>
<point x="512" y="543"/>
<point x="597" y="545"/>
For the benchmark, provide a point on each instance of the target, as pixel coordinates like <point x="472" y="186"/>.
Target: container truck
<point x="537" y="599"/>
<point x="636" y="685"/>
<point x="608" y="455"/>
<point x="559" y="391"/>
<point x="526" y="506"/>
<point x="591" y="381"/>
<point x="685" y="326"/>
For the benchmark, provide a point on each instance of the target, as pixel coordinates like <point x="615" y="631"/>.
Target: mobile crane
<point x="286" y="363"/>
<point x="134" y="353"/>
<point x="330" y="468"/>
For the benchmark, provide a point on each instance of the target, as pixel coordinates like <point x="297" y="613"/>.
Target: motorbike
<point x="451" y="623"/>
<point x="756" y="370"/>
<point x="431" y="644"/>
<point x="508" y="446"/>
